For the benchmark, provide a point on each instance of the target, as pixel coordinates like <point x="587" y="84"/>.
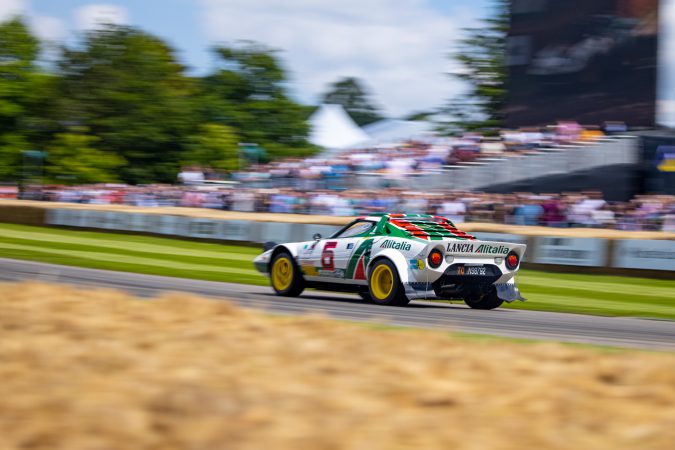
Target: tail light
<point x="435" y="258"/>
<point x="512" y="260"/>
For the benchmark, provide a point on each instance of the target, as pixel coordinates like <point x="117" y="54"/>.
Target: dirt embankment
<point x="95" y="369"/>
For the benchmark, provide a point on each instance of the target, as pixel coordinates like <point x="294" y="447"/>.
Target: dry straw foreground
<point x="101" y="370"/>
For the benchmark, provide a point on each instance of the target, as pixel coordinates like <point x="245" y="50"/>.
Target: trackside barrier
<point x="644" y="254"/>
<point x="618" y="253"/>
<point x="194" y="227"/>
<point x="567" y="251"/>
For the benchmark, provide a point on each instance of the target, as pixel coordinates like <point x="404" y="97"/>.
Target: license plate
<point x="471" y="270"/>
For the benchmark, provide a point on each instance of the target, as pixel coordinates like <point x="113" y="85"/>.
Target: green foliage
<point x="355" y="99"/>
<point x="128" y="89"/>
<point x="143" y="115"/>
<point x="248" y="94"/>
<point x="18" y="50"/>
<point x="215" y="146"/>
<point x="11" y="146"/>
<point x="20" y="89"/>
<point x="482" y="54"/>
<point x="72" y="159"/>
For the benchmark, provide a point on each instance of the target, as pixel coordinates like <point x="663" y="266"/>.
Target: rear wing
<point x="483" y="248"/>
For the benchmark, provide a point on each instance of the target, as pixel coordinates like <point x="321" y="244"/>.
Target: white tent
<point x="333" y="129"/>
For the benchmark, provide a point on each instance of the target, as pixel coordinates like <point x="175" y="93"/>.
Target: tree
<point x="248" y="94"/>
<point x="18" y="52"/>
<point x="215" y="146"/>
<point x="354" y="98"/>
<point x="128" y="89"/>
<point x="482" y="54"/>
<point x="72" y="159"/>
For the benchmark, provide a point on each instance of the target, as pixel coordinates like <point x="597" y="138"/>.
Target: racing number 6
<point x="328" y="256"/>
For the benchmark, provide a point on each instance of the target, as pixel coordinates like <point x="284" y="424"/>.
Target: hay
<point x="98" y="369"/>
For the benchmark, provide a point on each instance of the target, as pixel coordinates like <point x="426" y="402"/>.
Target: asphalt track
<point x="612" y="331"/>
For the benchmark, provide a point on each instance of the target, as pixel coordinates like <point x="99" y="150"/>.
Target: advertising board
<point x="644" y="254"/>
<point x="570" y="251"/>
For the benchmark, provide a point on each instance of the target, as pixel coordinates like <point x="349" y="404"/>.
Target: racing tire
<point x="384" y="285"/>
<point x="285" y="276"/>
<point x="487" y="301"/>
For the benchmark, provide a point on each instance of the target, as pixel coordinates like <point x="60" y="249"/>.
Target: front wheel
<point x="384" y="285"/>
<point x="365" y="295"/>
<point x="487" y="301"/>
<point x="285" y="276"/>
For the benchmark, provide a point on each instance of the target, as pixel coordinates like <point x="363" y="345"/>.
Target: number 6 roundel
<point x="328" y="256"/>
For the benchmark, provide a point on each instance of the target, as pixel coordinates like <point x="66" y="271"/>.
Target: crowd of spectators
<point x="398" y="161"/>
<point x="574" y="209"/>
<point x="319" y="186"/>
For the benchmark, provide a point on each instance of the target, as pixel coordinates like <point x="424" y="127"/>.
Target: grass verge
<point x="99" y="369"/>
<point x="575" y="293"/>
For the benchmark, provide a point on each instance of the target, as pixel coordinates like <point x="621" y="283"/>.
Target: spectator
<point x="553" y="212"/>
<point x="453" y="209"/>
<point x="528" y="212"/>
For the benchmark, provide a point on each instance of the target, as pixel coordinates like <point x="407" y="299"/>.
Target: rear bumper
<point x="460" y="281"/>
<point x="509" y="292"/>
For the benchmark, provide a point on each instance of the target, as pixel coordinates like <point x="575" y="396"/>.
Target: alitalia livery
<point x="391" y="259"/>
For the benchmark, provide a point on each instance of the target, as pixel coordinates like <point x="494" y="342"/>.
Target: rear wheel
<point x="487" y="301"/>
<point x="385" y="286"/>
<point x="285" y="276"/>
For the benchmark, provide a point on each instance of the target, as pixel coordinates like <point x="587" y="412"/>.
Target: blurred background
<point x="157" y="137"/>
<point x="477" y="110"/>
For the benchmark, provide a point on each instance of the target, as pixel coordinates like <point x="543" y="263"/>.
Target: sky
<point x="398" y="47"/>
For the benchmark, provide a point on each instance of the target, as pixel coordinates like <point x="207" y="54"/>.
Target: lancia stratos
<point x="390" y="259"/>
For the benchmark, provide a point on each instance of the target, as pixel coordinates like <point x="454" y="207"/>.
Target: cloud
<point x="93" y="16"/>
<point x="46" y="28"/>
<point x="49" y="28"/>
<point x="400" y="49"/>
<point x="11" y="8"/>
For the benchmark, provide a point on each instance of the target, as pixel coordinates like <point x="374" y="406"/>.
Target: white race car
<point x="391" y="259"/>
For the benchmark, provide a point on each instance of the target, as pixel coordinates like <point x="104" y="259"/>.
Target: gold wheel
<point x="382" y="282"/>
<point x="282" y="273"/>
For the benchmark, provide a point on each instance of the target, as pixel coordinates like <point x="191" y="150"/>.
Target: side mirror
<point x="317" y="236"/>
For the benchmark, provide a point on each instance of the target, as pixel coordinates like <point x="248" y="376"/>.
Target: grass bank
<point x="85" y="369"/>
<point x="577" y="293"/>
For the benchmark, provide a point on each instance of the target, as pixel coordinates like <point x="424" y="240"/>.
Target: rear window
<point x="357" y="229"/>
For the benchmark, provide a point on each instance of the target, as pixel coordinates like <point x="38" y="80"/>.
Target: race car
<point x="390" y="259"/>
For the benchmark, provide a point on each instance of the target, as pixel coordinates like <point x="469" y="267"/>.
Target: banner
<point x="643" y="254"/>
<point x="202" y="228"/>
<point x="570" y="251"/>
